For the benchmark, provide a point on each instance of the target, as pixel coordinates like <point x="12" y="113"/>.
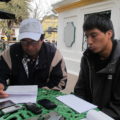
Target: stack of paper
<point x="76" y="103"/>
<point x="97" y="115"/>
<point x="22" y="94"/>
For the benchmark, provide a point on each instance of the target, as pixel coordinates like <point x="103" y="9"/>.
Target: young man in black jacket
<point x="32" y="61"/>
<point x="99" y="78"/>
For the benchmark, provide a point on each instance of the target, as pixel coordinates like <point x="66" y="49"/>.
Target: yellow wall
<point x="50" y="22"/>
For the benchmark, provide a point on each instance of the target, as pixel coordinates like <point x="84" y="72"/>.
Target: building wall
<point x="72" y="55"/>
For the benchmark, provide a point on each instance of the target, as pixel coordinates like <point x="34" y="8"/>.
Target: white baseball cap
<point x="30" y="28"/>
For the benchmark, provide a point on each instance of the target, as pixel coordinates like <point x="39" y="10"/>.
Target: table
<point x="62" y="109"/>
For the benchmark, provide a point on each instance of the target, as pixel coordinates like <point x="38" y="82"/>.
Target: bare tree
<point x="40" y="8"/>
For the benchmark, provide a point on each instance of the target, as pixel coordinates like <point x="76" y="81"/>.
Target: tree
<point x="40" y="8"/>
<point x="17" y="7"/>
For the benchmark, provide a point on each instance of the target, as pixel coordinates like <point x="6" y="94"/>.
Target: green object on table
<point x="61" y="108"/>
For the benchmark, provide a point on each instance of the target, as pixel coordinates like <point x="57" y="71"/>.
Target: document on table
<point x="97" y="115"/>
<point x="22" y="94"/>
<point x="76" y="103"/>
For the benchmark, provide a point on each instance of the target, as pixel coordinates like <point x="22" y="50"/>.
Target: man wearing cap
<point x="32" y="61"/>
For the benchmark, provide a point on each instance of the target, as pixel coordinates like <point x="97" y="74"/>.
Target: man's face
<point x="98" y="41"/>
<point x="31" y="47"/>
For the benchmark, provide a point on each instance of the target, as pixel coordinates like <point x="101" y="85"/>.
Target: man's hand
<point x="2" y="93"/>
<point x="45" y="87"/>
<point x="56" y="88"/>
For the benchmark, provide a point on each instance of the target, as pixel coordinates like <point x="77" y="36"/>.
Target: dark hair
<point x="42" y="37"/>
<point x="101" y="22"/>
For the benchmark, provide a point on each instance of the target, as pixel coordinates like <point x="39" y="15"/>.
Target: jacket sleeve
<point x="82" y="87"/>
<point x="113" y="108"/>
<point x="57" y="73"/>
<point x="113" y="111"/>
<point x="4" y="67"/>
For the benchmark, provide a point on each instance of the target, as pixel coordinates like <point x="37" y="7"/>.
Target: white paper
<point x="97" y="115"/>
<point x="76" y="103"/>
<point x="22" y="90"/>
<point x="22" y="94"/>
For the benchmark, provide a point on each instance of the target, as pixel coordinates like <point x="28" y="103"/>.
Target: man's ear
<point x="110" y="34"/>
